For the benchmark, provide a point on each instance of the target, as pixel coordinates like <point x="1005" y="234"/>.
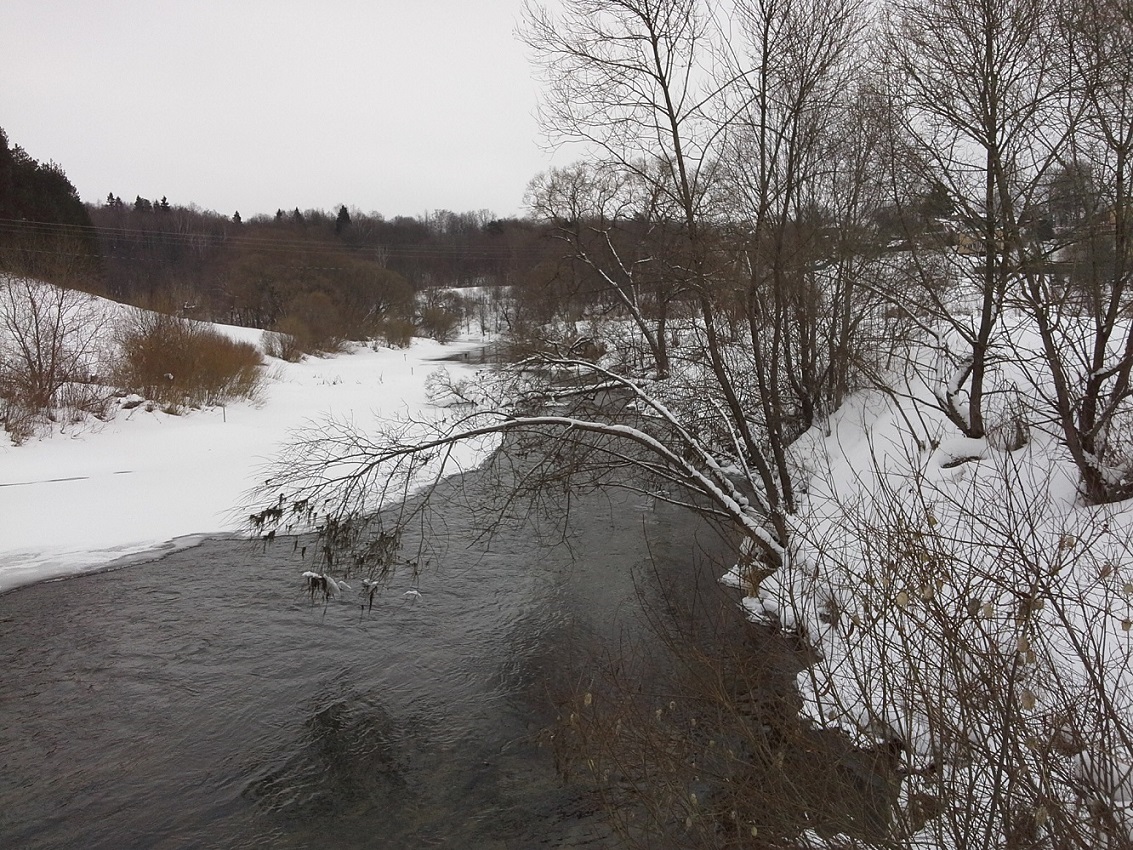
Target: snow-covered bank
<point x="965" y="605"/>
<point x="92" y="493"/>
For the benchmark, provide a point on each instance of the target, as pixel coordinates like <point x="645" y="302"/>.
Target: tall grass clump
<point x="176" y="362"/>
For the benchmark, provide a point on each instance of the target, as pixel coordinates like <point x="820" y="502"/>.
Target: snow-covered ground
<point x="95" y="494"/>
<point x="962" y="600"/>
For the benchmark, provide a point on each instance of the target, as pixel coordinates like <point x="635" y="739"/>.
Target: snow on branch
<point x="335" y="473"/>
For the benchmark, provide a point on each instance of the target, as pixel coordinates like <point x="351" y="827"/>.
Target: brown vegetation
<point x="178" y="362"/>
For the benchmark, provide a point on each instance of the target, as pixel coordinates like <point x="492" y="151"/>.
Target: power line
<point x="270" y="244"/>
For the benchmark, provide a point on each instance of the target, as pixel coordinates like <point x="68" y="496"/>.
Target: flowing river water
<point x="203" y="700"/>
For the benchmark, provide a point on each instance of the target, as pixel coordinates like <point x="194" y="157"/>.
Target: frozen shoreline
<point x="94" y="495"/>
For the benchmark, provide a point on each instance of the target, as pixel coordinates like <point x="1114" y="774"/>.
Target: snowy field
<point x="97" y="494"/>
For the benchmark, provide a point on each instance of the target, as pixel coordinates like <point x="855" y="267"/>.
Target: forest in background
<point x="322" y="277"/>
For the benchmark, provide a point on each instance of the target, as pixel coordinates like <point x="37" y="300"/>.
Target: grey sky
<point x="398" y="106"/>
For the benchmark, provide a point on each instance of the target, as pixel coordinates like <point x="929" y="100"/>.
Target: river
<point x="203" y="700"/>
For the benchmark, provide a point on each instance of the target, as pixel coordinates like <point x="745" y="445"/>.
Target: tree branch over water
<point x="568" y="424"/>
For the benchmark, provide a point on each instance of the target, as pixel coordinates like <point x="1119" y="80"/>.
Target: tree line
<point x="326" y="275"/>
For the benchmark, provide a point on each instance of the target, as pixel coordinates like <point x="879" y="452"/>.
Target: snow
<point x="896" y="579"/>
<point x="93" y="494"/>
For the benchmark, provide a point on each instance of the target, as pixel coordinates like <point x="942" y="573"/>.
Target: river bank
<point x="90" y="494"/>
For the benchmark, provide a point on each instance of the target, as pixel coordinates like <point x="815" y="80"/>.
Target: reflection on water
<point x="345" y="763"/>
<point x="202" y="701"/>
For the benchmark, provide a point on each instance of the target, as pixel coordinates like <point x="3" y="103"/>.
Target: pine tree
<point x="343" y="220"/>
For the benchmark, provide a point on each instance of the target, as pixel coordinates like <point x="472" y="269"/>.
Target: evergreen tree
<point x="39" y="192"/>
<point x="343" y="220"/>
<point x="7" y="179"/>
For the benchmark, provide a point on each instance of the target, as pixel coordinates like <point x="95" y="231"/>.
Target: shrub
<point x="175" y="361"/>
<point x="316" y="323"/>
<point x="18" y="420"/>
<point x="284" y="346"/>
<point x="396" y="333"/>
<point x="439" y="323"/>
<point x="47" y="338"/>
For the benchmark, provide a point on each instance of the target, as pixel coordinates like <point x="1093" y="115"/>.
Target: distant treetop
<point x="343" y="220"/>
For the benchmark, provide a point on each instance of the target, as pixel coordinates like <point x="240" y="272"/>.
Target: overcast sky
<point x="394" y="106"/>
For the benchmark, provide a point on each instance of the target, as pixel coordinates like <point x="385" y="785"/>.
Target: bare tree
<point x="48" y="337"/>
<point x="614" y="227"/>
<point x="791" y="89"/>
<point x="1080" y="306"/>
<point x="650" y="88"/>
<point x="974" y="91"/>
<point x="557" y="436"/>
<point x="642" y="84"/>
<point x="628" y="79"/>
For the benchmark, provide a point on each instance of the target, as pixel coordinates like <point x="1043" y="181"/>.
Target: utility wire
<point x="269" y="244"/>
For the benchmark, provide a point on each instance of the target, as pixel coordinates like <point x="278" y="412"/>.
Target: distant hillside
<point x="45" y="230"/>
